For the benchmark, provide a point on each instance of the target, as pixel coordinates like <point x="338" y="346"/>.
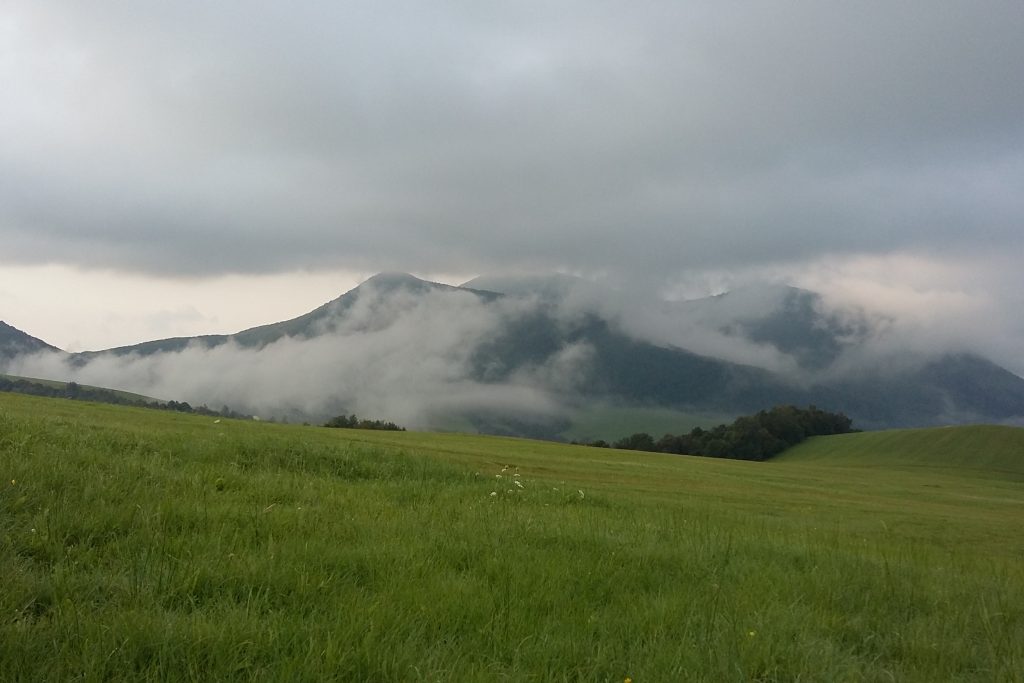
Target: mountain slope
<point x="794" y="321"/>
<point x="14" y="342"/>
<point x="320" y="320"/>
<point x="878" y="390"/>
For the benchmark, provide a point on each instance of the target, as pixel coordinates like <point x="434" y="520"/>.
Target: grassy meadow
<point x="612" y="423"/>
<point x="141" y="544"/>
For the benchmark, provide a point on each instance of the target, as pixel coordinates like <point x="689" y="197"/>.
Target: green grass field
<point x="141" y="544"/>
<point x="981" y="448"/>
<point x="612" y="423"/>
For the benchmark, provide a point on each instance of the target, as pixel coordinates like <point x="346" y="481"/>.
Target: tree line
<point x="353" y="422"/>
<point x="751" y="437"/>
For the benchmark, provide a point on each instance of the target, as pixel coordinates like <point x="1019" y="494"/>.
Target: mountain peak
<point x="387" y="282"/>
<point x="393" y="279"/>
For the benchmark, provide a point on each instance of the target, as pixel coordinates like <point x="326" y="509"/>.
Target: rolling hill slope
<point x="993" y="448"/>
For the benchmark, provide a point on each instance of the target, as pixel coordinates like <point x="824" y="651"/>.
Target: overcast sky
<point x="187" y="167"/>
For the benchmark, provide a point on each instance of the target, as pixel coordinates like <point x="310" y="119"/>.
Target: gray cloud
<point x="198" y="138"/>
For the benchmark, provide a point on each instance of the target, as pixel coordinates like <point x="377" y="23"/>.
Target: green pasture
<point x="146" y="545"/>
<point x="612" y="423"/>
<point x="981" y="450"/>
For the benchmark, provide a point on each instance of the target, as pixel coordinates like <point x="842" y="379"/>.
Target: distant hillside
<point x="795" y="321"/>
<point x="977" y="447"/>
<point x="321" y="320"/>
<point x="14" y="342"/>
<point x="53" y="388"/>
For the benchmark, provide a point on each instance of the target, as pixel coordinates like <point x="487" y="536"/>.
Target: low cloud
<point x="925" y="305"/>
<point x="406" y="357"/>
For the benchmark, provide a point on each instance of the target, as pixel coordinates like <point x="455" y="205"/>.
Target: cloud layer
<point x="199" y="138"/>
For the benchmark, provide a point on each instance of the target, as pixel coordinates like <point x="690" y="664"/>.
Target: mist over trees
<point x="751" y="437"/>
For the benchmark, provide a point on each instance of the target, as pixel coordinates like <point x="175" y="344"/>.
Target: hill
<point x="52" y="388"/>
<point x="987" y="448"/>
<point x="149" y="545"/>
<point x="14" y="342"/>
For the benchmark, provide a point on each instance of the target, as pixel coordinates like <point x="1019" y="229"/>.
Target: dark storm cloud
<point x="200" y="138"/>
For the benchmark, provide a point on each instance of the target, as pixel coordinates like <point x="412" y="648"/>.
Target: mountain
<point x="953" y="388"/>
<point x="319" y="321"/>
<point x="794" y="321"/>
<point x="521" y="355"/>
<point x="878" y="392"/>
<point x="14" y="342"/>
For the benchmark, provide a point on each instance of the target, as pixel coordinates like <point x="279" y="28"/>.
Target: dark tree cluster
<point x="751" y="437"/>
<point x="353" y="422"/>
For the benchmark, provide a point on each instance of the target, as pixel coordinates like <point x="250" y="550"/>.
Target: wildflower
<point x="519" y="484"/>
<point x="494" y="493"/>
<point x="628" y="680"/>
<point x="582" y="495"/>
<point x="751" y="634"/>
<point x="13" y="482"/>
<point x="516" y="475"/>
